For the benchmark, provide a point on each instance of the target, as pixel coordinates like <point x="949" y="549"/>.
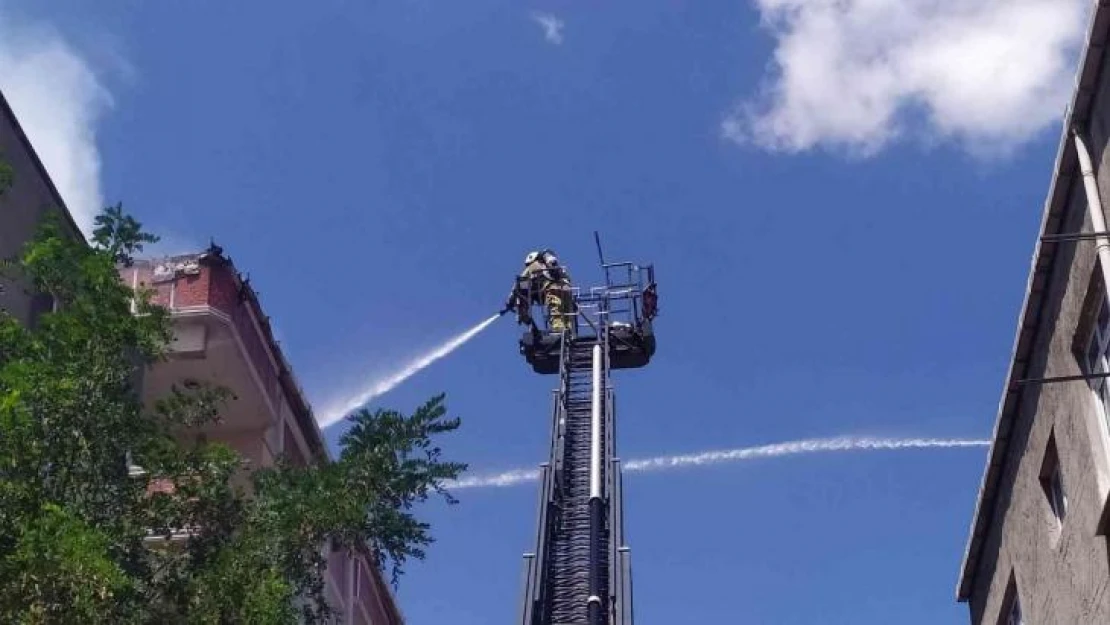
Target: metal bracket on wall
<point x="1072" y="236"/>
<point x="1063" y="378"/>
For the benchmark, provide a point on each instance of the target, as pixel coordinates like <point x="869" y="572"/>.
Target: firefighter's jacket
<point x="541" y="279"/>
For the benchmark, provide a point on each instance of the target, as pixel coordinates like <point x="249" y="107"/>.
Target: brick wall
<point x="214" y="284"/>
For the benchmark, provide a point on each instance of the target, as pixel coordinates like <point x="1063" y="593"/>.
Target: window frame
<point x="1096" y="348"/>
<point x="1013" y="614"/>
<point x="1088" y="338"/>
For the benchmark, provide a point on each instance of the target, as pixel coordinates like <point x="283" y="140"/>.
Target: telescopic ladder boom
<point x="580" y="572"/>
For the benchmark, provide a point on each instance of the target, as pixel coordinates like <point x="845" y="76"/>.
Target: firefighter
<point x="525" y="291"/>
<point x="556" y="293"/>
<point x="549" y="285"/>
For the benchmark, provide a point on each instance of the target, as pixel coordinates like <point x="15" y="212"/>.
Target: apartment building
<point x="222" y="336"/>
<point x="1037" y="550"/>
<point x="22" y="206"/>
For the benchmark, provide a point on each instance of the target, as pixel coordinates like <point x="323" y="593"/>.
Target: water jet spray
<point x="384" y="385"/>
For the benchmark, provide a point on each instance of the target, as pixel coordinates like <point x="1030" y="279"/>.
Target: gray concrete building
<point x="1037" y="551"/>
<point x="22" y="206"/>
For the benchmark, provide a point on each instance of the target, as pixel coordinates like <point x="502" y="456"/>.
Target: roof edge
<point x="302" y="411"/>
<point x="298" y="402"/>
<point x="300" y="406"/>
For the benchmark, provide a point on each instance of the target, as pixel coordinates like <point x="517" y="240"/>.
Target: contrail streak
<point x="791" y="448"/>
<point x="380" y="387"/>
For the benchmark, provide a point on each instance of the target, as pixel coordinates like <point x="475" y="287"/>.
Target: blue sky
<point x="841" y="208"/>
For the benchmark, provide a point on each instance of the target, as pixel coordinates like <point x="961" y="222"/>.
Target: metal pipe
<point x="1063" y="378"/>
<point x="525" y="616"/>
<point x="1094" y="206"/>
<point x="595" y="428"/>
<point x="593" y="604"/>
<point x="1077" y="236"/>
<point x="134" y="287"/>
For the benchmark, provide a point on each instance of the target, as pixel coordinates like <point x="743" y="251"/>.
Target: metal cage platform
<point x="624" y="307"/>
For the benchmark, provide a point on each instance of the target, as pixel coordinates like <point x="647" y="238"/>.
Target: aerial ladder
<point x="580" y="572"/>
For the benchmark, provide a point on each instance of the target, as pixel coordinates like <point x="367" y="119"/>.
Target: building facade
<point x="1037" y="550"/>
<point x="222" y="337"/>
<point x="22" y="207"/>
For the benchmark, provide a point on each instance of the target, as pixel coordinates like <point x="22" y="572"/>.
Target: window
<point x="1090" y="346"/>
<point x="1052" y="481"/>
<point x="1097" y="354"/>
<point x="1011" y="605"/>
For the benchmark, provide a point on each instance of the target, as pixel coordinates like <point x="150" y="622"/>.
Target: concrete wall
<point x="1061" y="571"/>
<point x="22" y="206"/>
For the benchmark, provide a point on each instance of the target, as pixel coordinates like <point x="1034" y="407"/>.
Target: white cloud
<point x="552" y="27"/>
<point x="857" y="74"/>
<point x="58" y="100"/>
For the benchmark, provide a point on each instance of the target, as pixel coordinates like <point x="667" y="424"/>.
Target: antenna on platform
<point x="600" y="255"/>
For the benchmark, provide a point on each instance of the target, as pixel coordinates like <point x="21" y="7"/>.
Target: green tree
<point x="76" y="517"/>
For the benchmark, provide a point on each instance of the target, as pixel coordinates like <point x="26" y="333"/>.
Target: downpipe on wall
<point x="1094" y="207"/>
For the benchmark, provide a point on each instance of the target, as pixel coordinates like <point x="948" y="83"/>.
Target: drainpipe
<point x="1102" y="246"/>
<point x="1094" y="206"/>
